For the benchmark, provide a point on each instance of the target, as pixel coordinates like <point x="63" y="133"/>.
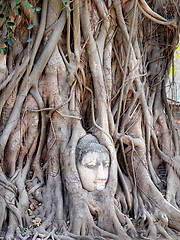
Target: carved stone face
<point x="94" y="170"/>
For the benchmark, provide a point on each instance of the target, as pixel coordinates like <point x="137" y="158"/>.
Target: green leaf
<point x="13" y="40"/>
<point x="9" y="29"/>
<point x="19" y="11"/>
<point x="8" y="35"/>
<point x="5" y="40"/>
<point x="29" y="6"/>
<point x="10" y="42"/>
<point x="1" y="15"/>
<point x="33" y="10"/>
<point x="64" y="1"/>
<point x="1" y="49"/>
<point x="18" y="2"/>
<point x="38" y="9"/>
<point x="15" y="9"/>
<point x="23" y="230"/>
<point x="7" y="6"/>
<point x="5" y="50"/>
<point x="11" y="48"/>
<point x="30" y="26"/>
<point x="10" y="24"/>
<point x="29" y="40"/>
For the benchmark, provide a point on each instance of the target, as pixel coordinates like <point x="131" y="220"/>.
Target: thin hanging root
<point x="83" y="76"/>
<point x="124" y="187"/>
<point x="86" y="42"/>
<point x="69" y="116"/>
<point x="120" y="67"/>
<point x="80" y="85"/>
<point x="76" y="29"/>
<point x="84" y="82"/>
<point x="64" y="103"/>
<point x="93" y="117"/>
<point x="54" y="133"/>
<point x="35" y="93"/>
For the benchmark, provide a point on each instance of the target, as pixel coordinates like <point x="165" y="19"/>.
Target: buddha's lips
<point x="100" y="182"/>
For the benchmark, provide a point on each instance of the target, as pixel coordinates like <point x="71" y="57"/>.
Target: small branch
<point x="37" y="110"/>
<point x="119" y="62"/>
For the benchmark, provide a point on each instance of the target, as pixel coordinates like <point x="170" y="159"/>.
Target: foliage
<point x="6" y="9"/>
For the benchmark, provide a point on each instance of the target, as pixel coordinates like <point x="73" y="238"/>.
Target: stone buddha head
<point x="92" y="160"/>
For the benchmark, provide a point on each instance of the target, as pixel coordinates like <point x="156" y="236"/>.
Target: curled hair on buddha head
<point x="87" y="144"/>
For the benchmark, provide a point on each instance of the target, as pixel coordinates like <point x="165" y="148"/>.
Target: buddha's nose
<point x="101" y="174"/>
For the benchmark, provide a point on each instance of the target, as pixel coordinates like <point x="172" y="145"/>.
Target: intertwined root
<point x="99" y="67"/>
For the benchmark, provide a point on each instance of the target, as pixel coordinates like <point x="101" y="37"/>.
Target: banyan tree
<point x="82" y="94"/>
